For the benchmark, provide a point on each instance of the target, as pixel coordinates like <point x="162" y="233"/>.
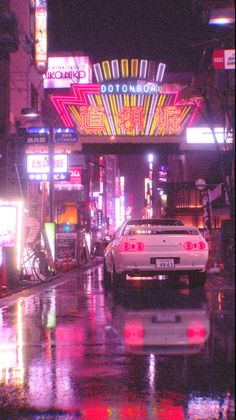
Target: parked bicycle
<point x="35" y="264"/>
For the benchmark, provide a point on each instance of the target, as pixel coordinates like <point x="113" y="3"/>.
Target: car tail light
<point x="132" y="246"/>
<point x="196" y="332"/>
<point x="188" y="245"/>
<point x="197" y="246"/>
<point x="133" y="333"/>
<point x="140" y="246"/>
<point x="201" y="245"/>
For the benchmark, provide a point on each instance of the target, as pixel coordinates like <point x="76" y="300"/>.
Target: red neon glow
<point x="131" y="117"/>
<point x="92" y="118"/>
<point x="87" y="109"/>
<point x="169" y="119"/>
<point x="75" y="175"/>
<point x="134" y="246"/>
<point x="78" y="97"/>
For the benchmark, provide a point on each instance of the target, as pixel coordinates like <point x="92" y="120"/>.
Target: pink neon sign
<point x="112" y="114"/>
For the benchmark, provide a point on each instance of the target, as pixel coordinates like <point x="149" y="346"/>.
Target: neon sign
<point x="40" y="164"/>
<point x="127" y="101"/>
<point x="62" y="71"/>
<point x="41" y="36"/>
<point x="123" y="88"/>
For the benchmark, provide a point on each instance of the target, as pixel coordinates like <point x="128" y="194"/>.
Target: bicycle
<point x="35" y="263"/>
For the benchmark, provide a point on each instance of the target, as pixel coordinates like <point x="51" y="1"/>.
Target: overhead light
<point x="222" y="16"/>
<point x="30" y="112"/>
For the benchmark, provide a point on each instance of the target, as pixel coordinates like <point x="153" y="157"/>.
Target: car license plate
<point x="163" y="317"/>
<point x="165" y="262"/>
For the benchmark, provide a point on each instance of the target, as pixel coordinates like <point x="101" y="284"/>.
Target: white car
<point x="145" y="248"/>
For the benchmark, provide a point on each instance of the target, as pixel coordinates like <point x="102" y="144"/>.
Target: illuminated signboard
<point x="11" y="220"/>
<point x="41" y="35"/>
<point x="45" y="177"/>
<point x="75" y="175"/>
<point x="64" y="71"/>
<point x="75" y="181"/>
<point x="65" y="135"/>
<point x="126" y="101"/>
<point x="35" y="135"/>
<point x="203" y="135"/>
<point x="39" y="164"/>
<point x="223" y="59"/>
<point x="41" y="135"/>
<point x="7" y="225"/>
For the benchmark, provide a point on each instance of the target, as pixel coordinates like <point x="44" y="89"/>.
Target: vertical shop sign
<point x="41" y="36"/>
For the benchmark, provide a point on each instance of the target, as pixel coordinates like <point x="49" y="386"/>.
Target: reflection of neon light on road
<point x="20" y="342"/>
<point x="11" y="349"/>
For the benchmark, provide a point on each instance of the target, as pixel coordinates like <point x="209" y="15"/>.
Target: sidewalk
<point x="27" y="284"/>
<point x="24" y="284"/>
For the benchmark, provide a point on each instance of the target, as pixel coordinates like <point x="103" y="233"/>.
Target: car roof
<point x="155" y="222"/>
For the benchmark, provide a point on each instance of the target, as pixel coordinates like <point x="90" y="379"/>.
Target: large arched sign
<point x="127" y="100"/>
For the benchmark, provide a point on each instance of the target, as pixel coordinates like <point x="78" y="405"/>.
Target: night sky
<point x="160" y="30"/>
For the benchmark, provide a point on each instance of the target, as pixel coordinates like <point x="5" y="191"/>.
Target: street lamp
<point x="30" y="113"/>
<point x="222" y="16"/>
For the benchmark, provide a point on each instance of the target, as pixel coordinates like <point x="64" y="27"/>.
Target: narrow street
<point x="68" y="350"/>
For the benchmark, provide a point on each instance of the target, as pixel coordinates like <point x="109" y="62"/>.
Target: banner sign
<point x="41" y="36"/>
<point x="8" y="220"/>
<point x="204" y="135"/>
<point x="64" y="71"/>
<point x="229" y="59"/>
<point x="40" y="135"/>
<point x="11" y="230"/>
<point x="37" y="138"/>
<point x="37" y="164"/>
<point x="126" y="101"/>
<point x="223" y="59"/>
<point x="45" y="177"/>
<point x="75" y="175"/>
<point x="65" y="135"/>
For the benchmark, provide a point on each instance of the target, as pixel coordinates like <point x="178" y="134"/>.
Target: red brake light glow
<point x="201" y="245"/>
<point x="133" y="333"/>
<point x="188" y="246"/>
<point x="198" y="246"/>
<point x="140" y="246"/>
<point x="196" y="333"/>
<point x="132" y="246"/>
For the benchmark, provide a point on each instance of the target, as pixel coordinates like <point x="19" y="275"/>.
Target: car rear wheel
<point x="196" y="280"/>
<point x="118" y="279"/>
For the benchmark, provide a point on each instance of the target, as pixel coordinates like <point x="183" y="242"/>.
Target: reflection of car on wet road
<point x="146" y="248"/>
<point x="174" y="324"/>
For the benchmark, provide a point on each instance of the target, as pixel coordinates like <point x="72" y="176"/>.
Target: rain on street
<point x="68" y="350"/>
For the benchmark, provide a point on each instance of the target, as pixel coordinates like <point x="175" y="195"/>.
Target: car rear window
<point x="160" y="230"/>
<point x="155" y="222"/>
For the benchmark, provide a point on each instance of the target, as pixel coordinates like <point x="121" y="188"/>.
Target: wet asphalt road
<point x="70" y="350"/>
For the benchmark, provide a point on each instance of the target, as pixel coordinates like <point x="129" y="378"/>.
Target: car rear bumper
<point x="194" y="261"/>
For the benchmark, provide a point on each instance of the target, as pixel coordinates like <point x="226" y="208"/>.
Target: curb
<point x="4" y="293"/>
